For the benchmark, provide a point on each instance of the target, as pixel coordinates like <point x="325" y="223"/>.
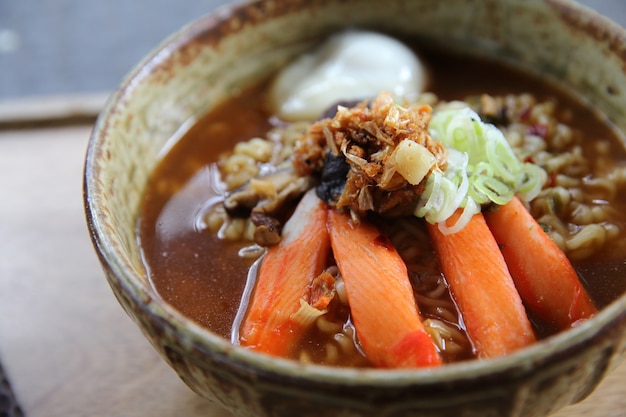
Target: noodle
<point x="326" y="326"/>
<point x="332" y="354"/>
<point x="600" y="188"/>
<point x="589" y="236"/>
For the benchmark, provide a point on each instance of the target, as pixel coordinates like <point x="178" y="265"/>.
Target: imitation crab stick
<point x="284" y="280"/>
<point x="544" y="277"/>
<point x="382" y="304"/>
<point x="482" y="287"/>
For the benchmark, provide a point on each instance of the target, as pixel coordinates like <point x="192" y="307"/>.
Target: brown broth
<point x="204" y="277"/>
<point x="193" y="270"/>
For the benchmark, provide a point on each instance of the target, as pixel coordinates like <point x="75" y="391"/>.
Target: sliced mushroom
<point x="265" y="190"/>
<point x="267" y="231"/>
<point x="266" y="200"/>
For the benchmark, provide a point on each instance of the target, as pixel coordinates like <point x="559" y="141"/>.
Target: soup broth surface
<point x="204" y="277"/>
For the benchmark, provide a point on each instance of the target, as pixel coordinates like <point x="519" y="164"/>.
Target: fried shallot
<point x="362" y="144"/>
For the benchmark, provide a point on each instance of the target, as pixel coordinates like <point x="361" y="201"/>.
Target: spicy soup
<point x="204" y="276"/>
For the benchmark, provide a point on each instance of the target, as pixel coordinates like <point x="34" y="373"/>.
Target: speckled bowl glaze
<point x="210" y="58"/>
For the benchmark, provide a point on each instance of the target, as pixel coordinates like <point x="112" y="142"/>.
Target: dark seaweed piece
<point x="500" y="118"/>
<point x="493" y="111"/>
<point x="333" y="180"/>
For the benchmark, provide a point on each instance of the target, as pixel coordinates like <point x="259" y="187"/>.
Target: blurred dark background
<point x="52" y="47"/>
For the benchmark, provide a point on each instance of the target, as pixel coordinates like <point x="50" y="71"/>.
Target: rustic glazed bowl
<point x="218" y="54"/>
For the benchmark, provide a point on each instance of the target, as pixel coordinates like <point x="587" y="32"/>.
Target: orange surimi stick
<point x="480" y="283"/>
<point x="381" y="299"/>
<point x="284" y="279"/>
<point x="545" y="278"/>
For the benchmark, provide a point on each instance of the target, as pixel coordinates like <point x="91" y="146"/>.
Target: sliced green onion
<point x="485" y="189"/>
<point x="534" y="177"/>
<point x="470" y="208"/>
<point x="431" y="191"/>
<point x="482" y="169"/>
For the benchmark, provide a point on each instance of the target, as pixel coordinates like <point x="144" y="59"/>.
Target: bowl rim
<point x="169" y="319"/>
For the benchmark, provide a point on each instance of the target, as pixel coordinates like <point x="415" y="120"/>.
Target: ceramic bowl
<point x="207" y="60"/>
